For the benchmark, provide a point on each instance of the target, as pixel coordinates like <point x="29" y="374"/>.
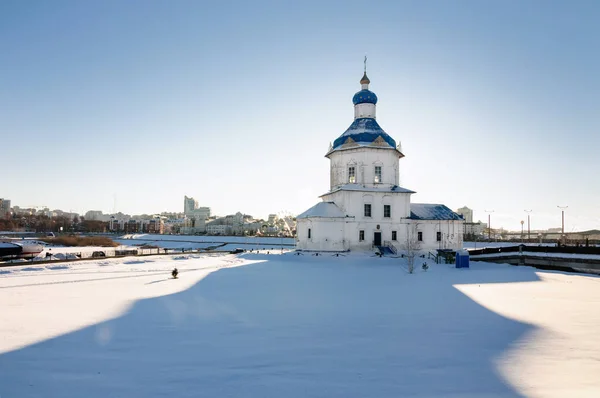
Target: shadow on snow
<point x="288" y="326"/>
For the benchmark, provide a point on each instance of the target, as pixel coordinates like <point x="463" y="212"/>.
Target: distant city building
<point x="189" y="205"/>
<point x="466" y="213"/>
<point x="132" y="226"/>
<point x="156" y="226"/>
<point x="193" y="225"/>
<point x="195" y="217"/>
<point x="218" y="229"/>
<point x="172" y="215"/>
<point x="4" y="208"/>
<point x="201" y="212"/>
<point x="474" y="230"/>
<point x="175" y="225"/>
<point x="24" y="211"/>
<point x="96" y="215"/>
<point x="93" y="214"/>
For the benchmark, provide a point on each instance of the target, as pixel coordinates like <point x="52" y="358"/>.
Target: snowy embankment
<point x="192" y="242"/>
<point x="296" y="326"/>
<point x="209" y="239"/>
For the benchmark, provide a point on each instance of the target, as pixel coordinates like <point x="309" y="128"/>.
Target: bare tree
<point x="412" y="246"/>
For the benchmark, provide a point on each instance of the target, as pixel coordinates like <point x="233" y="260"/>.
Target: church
<point x="366" y="208"/>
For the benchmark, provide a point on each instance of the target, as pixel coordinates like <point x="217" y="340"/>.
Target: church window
<point x="309" y="231"/>
<point x="394" y="236"/>
<point x="420" y="236"/>
<point x="367" y="210"/>
<point x="351" y="174"/>
<point x="361" y="235"/>
<point x="387" y="211"/>
<point x="377" y="174"/>
<point x="439" y="237"/>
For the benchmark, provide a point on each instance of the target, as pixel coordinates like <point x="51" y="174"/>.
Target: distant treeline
<point x="41" y="223"/>
<point x="71" y="240"/>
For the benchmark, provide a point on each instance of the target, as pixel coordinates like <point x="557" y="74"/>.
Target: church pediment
<point x="349" y="143"/>
<point x="379" y="141"/>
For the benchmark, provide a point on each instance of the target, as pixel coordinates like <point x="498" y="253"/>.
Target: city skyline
<point x="475" y="220"/>
<point x="149" y="102"/>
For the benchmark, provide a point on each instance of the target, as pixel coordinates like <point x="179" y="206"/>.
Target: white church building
<point x="365" y="207"/>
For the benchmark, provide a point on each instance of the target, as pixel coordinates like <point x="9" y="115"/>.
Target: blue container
<point x="462" y="259"/>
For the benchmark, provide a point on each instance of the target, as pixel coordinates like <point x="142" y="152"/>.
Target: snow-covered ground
<point x="296" y="326"/>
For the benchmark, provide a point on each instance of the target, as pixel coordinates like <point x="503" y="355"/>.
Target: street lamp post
<point x="489" y="223"/>
<point x="528" y="226"/>
<point x="522" y="222"/>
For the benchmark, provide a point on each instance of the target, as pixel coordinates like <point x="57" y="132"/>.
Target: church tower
<point x="364" y="154"/>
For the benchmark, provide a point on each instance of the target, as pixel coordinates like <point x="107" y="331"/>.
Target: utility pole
<point x="489" y="223"/>
<point x="528" y="226"/>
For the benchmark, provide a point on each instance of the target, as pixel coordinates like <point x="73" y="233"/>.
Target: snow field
<point x="297" y="326"/>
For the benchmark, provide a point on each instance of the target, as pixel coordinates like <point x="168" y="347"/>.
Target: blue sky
<point x="235" y="103"/>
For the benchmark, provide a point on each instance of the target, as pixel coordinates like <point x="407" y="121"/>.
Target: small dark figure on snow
<point x="175" y="273"/>
<point x="425" y="266"/>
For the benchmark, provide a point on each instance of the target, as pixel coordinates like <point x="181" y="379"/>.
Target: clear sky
<point x="496" y="104"/>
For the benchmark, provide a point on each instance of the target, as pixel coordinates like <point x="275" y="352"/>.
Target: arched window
<point x="352" y="172"/>
<point x="377" y="178"/>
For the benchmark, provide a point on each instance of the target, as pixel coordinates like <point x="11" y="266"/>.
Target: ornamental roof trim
<point x="362" y="188"/>
<point x="365" y="130"/>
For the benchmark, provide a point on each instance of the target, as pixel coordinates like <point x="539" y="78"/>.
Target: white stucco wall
<point x="364" y="160"/>
<point x="370" y="228"/>
<point x="344" y="234"/>
<point x="352" y="203"/>
<point x="364" y="110"/>
<point x="327" y="234"/>
<point x="451" y="235"/>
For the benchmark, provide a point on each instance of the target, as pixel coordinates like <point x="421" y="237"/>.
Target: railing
<point x="537" y="249"/>
<point x="101" y="253"/>
<point x="390" y="246"/>
<point x="430" y="256"/>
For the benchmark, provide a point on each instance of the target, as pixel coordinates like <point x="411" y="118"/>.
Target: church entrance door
<point x="377" y="239"/>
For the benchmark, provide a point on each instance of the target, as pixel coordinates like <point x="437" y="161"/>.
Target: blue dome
<point x="364" y="131"/>
<point x="364" y="97"/>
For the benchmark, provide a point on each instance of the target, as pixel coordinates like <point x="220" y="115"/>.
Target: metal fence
<point x="537" y="249"/>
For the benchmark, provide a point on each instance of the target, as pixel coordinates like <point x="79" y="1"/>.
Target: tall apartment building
<point x="189" y="205"/>
<point x="4" y="208"/>
<point x="466" y="213"/>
